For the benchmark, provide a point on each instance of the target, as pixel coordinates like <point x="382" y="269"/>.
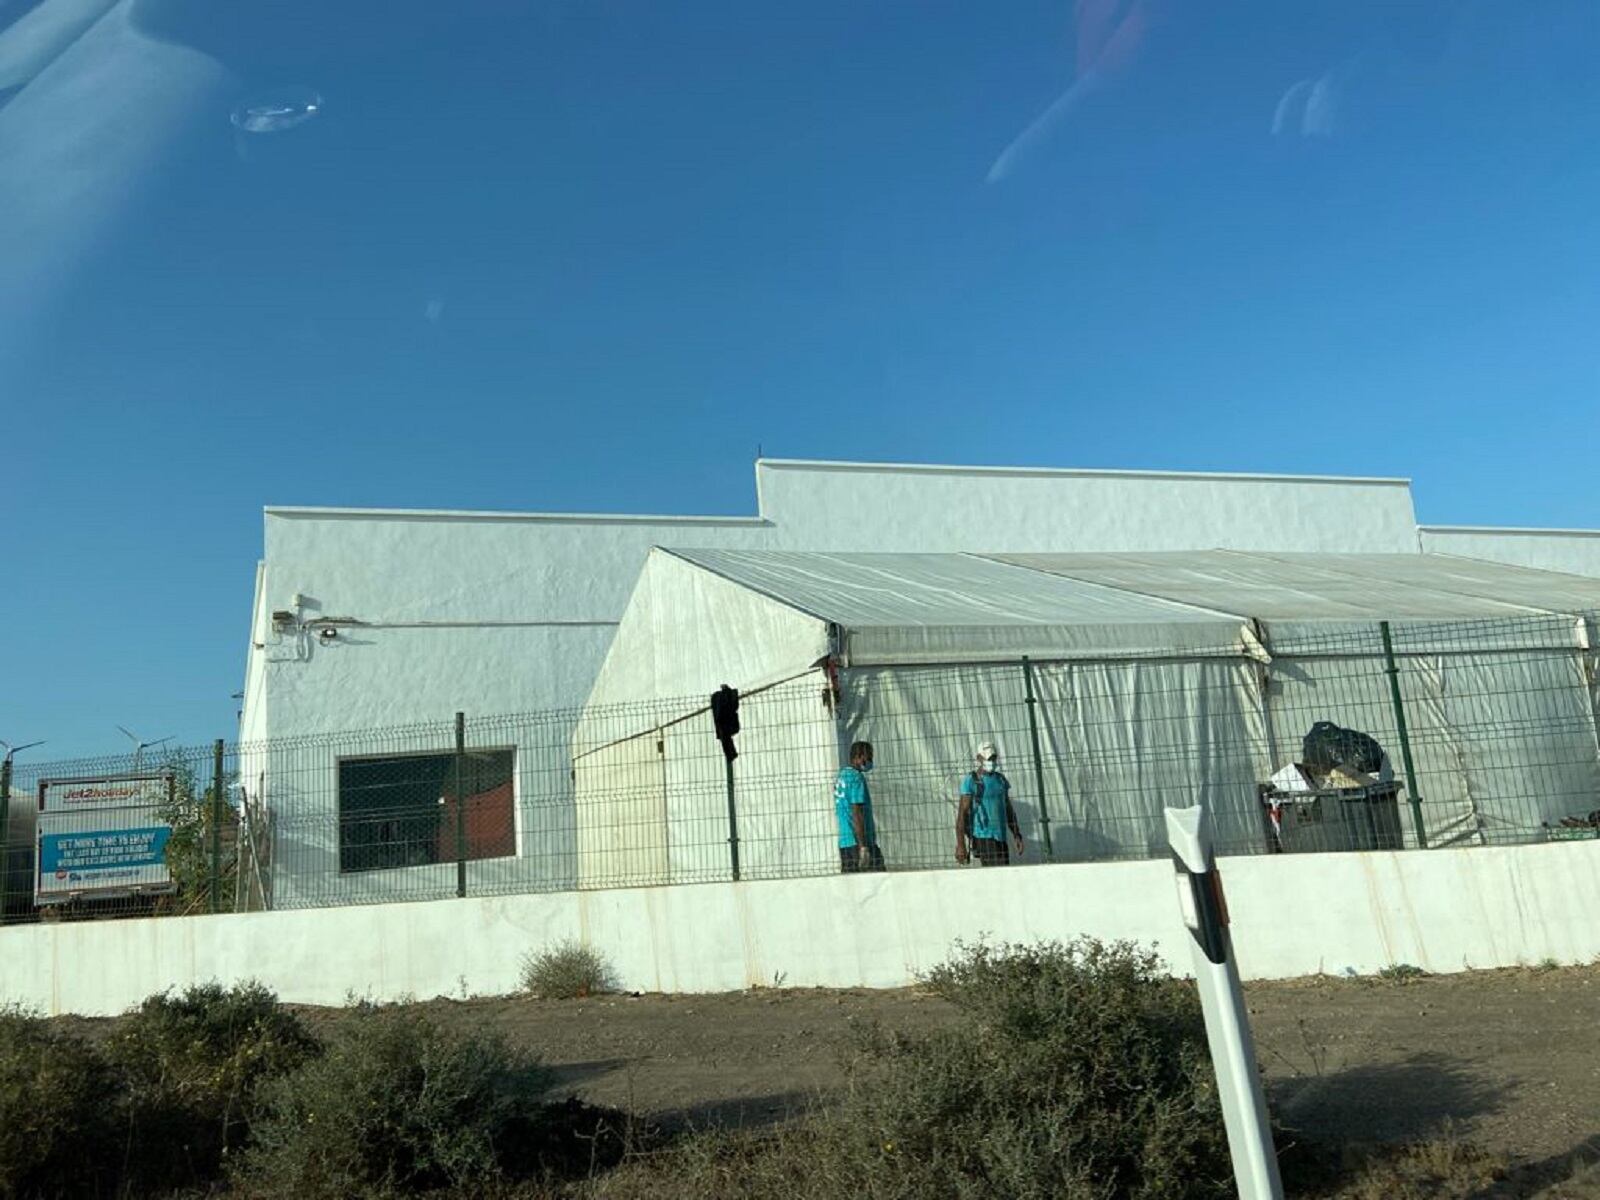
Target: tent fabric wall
<point x="1500" y="740"/>
<point x="1134" y="737"/>
<point x="1554" y="768"/>
<point x="687" y="631"/>
<point x="1119" y="740"/>
<point x="620" y="801"/>
<point x="652" y="807"/>
<point x="925" y="724"/>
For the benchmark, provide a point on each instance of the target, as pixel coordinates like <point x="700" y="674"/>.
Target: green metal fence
<point x="1485" y="732"/>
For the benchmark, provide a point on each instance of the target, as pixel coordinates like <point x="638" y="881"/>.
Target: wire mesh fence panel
<point x="658" y="801"/>
<point x="154" y="833"/>
<point x="1305" y="737"/>
<point x="925" y="724"/>
<point x="1487" y="729"/>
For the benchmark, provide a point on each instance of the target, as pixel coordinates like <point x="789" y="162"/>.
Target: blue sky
<point x="591" y="255"/>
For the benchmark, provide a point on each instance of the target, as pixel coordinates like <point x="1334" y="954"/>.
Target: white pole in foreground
<point x="1233" y="1051"/>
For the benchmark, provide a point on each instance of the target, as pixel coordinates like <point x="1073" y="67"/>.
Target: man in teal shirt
<point x="852" y="804"/>
<point x="985" y="812"/>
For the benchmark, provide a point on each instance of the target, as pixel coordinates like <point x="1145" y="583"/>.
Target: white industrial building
<point x="367" y="619"/>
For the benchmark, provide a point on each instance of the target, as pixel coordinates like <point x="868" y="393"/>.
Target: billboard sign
<point x="99" y="837"/>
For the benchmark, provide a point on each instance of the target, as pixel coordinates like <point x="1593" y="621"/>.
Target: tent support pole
<point x="1038" y="756"/>
<point x="733" y="822"/>
<point x="1393" y="672"/>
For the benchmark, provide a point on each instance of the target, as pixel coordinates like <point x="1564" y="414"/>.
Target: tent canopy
<point x="911" y="608"/>
<point x="1308" y="601"/>
<point x="702" y="617"/>
<point x="1342" y="587"/>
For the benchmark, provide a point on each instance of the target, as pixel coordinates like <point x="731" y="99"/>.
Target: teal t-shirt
<point x="989" y="811"/>
<point x="849" y="790"/>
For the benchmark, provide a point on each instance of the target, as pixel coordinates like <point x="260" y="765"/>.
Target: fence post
<point x="1393" y="672"/>
<point x="216" y="823"/>
<point x="5" y="834"/>
<point x="461" y="805"/>
<point x="1038" y="756"/>
<point x="733" y="821"/>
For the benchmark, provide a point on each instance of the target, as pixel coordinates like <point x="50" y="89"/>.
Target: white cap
<point x="988" y="750"/>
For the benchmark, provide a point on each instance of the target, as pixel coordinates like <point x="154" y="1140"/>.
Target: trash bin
<point x="1332" y="819"/>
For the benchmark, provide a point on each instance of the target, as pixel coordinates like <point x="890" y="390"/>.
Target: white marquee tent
<point x="1157" y="678"/>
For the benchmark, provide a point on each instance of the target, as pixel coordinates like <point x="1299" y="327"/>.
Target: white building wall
<point x="1442" y="911"/>
<point x="860" y="506"/>
<point x="471" y="612"/>
<point x="1575" y="551"/>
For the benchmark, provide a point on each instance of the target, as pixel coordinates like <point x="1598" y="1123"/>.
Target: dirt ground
<point x="1508" y="1060"/>
<point x="1503" y="1065"/>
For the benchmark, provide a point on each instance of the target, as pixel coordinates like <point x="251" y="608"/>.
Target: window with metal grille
<point x="408" y="810"/>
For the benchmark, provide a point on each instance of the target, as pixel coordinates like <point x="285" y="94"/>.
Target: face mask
<point x="990" y="766"/>
<point x="866" y="766"/>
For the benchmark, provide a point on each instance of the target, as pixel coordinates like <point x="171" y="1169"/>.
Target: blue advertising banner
<point x="104" y="850"/>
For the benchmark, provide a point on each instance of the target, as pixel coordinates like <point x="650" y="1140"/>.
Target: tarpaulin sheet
<point x="1118" y="742"/>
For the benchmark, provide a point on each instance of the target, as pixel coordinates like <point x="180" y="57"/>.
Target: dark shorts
<point x="850" y="861"/>
<point x="991" y="852"/>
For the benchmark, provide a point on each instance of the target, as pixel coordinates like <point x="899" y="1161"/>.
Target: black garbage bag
<point x="1329" y="745"/>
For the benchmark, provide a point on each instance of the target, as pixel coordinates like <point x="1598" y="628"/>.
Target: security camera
<point x="327" y="633"/>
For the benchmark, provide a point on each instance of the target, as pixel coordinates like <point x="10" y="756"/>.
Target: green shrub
<point x="1073" y="1070"/>
<point x="58" y="1105"/>
<point x="568" y="971"/>
<point x="190" y="1065"/>
<point x="399" y="1104"/>
<point x="1401" y="973"/>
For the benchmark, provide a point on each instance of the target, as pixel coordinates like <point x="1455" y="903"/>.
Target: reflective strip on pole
<point x="1233" y="1052"/>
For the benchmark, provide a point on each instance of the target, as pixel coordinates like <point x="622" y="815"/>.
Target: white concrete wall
<point x="1575" y="551"/>
<point x="1293" y="915"/>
